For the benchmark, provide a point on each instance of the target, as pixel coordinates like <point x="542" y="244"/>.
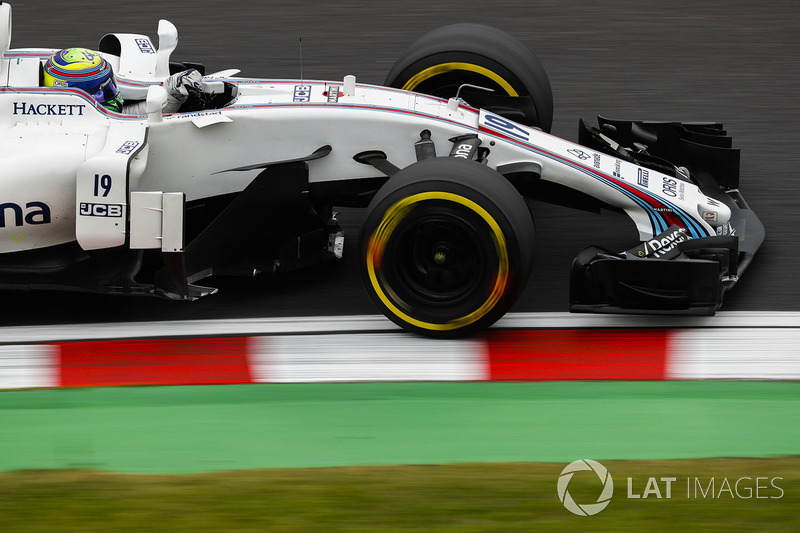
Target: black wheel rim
<point x="440" y="261"/>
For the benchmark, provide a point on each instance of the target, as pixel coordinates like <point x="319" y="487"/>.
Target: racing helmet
<point x="84" y="69"/>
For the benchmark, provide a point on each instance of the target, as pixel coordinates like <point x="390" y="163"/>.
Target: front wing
<point x="670" y="274"/>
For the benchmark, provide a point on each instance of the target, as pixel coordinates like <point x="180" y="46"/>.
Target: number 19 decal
<point x="102" y="182"/>
<point x="506" y="126"/>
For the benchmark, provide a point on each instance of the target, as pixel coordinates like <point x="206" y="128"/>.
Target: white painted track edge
<point x="378" y="323"/>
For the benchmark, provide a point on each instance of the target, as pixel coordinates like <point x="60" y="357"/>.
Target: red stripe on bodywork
<point x="570" y="354"/>
<point x="155" y="362"/>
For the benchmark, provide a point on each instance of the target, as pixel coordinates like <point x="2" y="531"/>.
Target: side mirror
<point x="167" y="41"/>
<point x="156" y="98"/>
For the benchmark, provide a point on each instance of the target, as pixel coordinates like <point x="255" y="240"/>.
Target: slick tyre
<point x="446" y="247"/>
<point x="439" y="62"/>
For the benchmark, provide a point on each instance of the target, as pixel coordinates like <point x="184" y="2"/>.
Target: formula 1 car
<point x="245" y="178"/>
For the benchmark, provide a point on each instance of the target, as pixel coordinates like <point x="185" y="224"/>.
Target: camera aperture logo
<point x="585" y="509"/>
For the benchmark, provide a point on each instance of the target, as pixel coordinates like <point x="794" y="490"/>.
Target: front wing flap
<point x="691" y="283"/>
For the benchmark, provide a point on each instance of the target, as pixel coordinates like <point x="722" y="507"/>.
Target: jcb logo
<point x="101" y="210"/>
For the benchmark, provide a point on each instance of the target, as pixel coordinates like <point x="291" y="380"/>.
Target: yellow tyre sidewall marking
<point x="444" y="68"/>
<point x="393" y="216"/>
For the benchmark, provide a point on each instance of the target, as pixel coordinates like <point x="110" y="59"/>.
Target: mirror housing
<point x="156" y="98"/>
<point x="167" y="41"/>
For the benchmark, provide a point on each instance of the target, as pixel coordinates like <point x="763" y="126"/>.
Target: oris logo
<point x="463" y="151"/>
<point x="670" y="187"/>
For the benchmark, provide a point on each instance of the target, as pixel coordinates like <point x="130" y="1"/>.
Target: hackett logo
<point x="24" y="108"/>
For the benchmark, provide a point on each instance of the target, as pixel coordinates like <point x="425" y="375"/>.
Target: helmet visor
<point x="105" y="91"/>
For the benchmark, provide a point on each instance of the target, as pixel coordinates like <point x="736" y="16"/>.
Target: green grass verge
<point x="501" y="497"/>
<point x="186" y="430"/>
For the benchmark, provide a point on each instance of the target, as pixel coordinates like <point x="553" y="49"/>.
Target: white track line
<point x="377" y="323"/>
<point x="365" y="357"/>
<point x="750" y="353"/>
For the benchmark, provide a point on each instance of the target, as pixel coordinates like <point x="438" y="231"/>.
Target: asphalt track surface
<point x="206" y="428"/>
<point x="729" y="61"/>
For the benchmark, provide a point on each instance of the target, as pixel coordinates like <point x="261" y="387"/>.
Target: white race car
<point x="244" y="179"/>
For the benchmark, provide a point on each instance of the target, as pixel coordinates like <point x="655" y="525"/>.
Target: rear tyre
<point x="446" y="247"/>
<point x="445" y="58"/>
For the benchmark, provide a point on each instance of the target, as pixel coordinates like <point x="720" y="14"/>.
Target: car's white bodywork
<point x="58" y="146"/>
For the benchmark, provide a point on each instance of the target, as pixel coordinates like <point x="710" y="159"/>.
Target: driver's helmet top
<point x="84" y="69"/>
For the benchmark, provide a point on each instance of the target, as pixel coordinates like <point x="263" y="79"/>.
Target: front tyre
<point x="440" y="61"/>
<point x="446" y="247"/>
